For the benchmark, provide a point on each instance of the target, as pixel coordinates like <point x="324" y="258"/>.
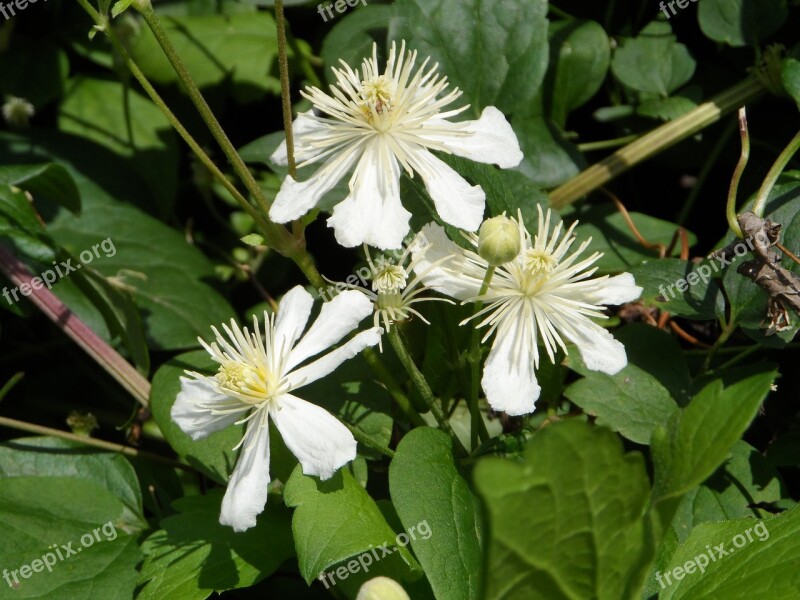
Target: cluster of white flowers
<point x="374" y="125"/>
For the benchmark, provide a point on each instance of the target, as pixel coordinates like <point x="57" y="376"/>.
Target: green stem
<point x="733" y="192"/>
<point x="741" y="355"/>
<point x="478" y="427"/>
<point x="726" y="334"/>
<point x="88" y="441"/>
<point x="656" y="141"/>
<point x="286" y="93"/>
<point x="365" y="440"/>
<point x="7" y="387"/>
<point x="422" y="386"/>
<point x="392" y="386"/>
<point x="775" y="172"/>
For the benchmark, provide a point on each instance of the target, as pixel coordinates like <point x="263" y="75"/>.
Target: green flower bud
<point x="382" y="588"/>
<point x="498" y="241"/>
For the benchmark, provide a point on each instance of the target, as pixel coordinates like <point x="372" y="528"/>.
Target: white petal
<point x="328" y="363"/>
<point x="336" y="319"/>
<point x="448" y="278"/>
<point x="508" y="379"/>
<point x="457" y="202"/>
<point x="490" y="139"/>
<point x="306" y="128"/>
<point x="616" y="290"/>
<point x="246" y="495"/>
<point x="296" y="198"/>
<point x="372" y="213"/>
<point x="192" y="410"/>
<point x="293" y="313"/>
<point x="598" y="348"/>
<point x="317" y="438"/>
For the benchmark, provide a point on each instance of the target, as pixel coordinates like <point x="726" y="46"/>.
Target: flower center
<point x="250" y="385"/>
<point x="539" y="261"/>
<point x="390" y="279"/>
<point x="377" y="97"/>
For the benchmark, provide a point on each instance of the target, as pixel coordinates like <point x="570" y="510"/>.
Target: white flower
<point x="17" y="112"/>
<point x="377" y="124"/>
<point x="258" y="373"/>
<point x="543" y="294"/>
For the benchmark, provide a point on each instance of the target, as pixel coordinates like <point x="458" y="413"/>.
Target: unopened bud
<point x="382" y="588"/>
<point x="17" y="112"/>
<point x="499" y="241"/>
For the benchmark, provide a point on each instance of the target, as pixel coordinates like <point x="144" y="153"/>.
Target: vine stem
<point x="88" y="441"/>
<point x="365" y="440"/>
<point x="286" y="93"/>
<point x="656" y="141"/>
<point x="392" y="386"/>
<point x="478" y="427"/>
<point x="103" y="354"/>
<point x="775" y="172"/>
<point x="422" y="386"/>
<point x="733" y="192"/>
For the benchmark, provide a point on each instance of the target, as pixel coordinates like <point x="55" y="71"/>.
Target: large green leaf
<point x="192" y="555"/>
<point x="698" y="438"/>
<point x="337" y="520"/>
<point x="741" y="22"/>
<point x="133" y="128"/>
<point x="427" y="488"/>
<point x="50" y="180"/>
<point x="59" y="493"/>
<point x="751" y="559"/>
<point x="567" y="522"/>
<point x="496" y="50"/>
<point x="242" y="47"/>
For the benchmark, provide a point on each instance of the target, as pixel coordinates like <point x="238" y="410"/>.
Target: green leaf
<point x="95" y="109"/>
<point x="663" y="280"/>
<point x="790" y="74"/>
<point x="653" y="61"/>
<point x="759" y="556"/>
<point x="213" y="455"/>
<point x="612" y="236"/>
<point x="193" y="555"/>
<point x="699" y="437"/>
<point x="426" y="487"/>
<point x="176" y="303"/>
<point x="337" y="520"/>
<point x="58" y="492"/>
<point x="580" y="54"/>
<point x="242" y="47"/>
<point x="50" y="180"/>
<point x="19" y="223"/>
<point x="632" y="402"/>
<point x="550" y="159"/>
<point x="499" y="52"/>
<point x="586" y="536"/>
<point x="741" y="22"/>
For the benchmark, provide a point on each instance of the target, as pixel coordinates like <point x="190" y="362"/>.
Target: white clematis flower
<point x="545" y="293"/>
<point x="375" y="124"/>
<point x="258" y="374"/>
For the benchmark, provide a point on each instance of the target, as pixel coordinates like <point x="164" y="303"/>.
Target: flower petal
<point x="336" y="319"/>
<point x="328" y="363"/>
<point x="599" y="349"/>
<point x="452" y="277"/>
<point x="296" y="198"/>
<point x="508" y="378"/>
<point x="457" y="202"/>
<point x="192" y="410"/>
<point x="246" y="495"/>
<point x="615" y="290"/>
<point x="489" y="140"/>
<point x="293" y="313"/>
<point x="306" y="127"/>
<point x="372" y="213"/>
<point x="317" y="438"/>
